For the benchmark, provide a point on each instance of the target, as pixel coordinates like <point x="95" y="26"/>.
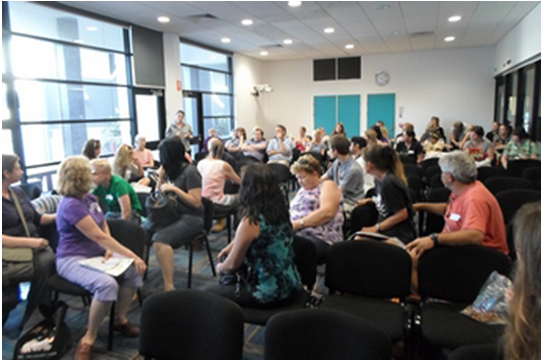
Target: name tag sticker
<point x="455" y="217"/>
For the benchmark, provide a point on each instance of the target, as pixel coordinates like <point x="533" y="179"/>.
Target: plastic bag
<point x="491" y="305"/>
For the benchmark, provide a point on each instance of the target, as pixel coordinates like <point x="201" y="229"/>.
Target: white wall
<point x="453" y="84"/>
<point x="248" y="109"/>
<point x="172" y="73"/>
<point x="521" y="44"/>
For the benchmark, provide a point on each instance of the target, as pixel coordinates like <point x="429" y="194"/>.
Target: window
<point x="70" y="76"/>
<point x="207" y="83"/>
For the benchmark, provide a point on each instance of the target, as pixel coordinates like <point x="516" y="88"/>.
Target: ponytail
<point x="385" y="158"/>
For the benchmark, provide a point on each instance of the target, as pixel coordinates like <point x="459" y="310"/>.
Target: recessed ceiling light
<point x="381" y="7"/>
<point x="163" y="19"/>
<point x="329" y="30"/>
<point x="455" y="18"/>
<point x="450" y="38"/>
<point x="92" y="28"/>
<point x="225" y="40"/>
<point x="294" y="3"/>
<point x="247" y="22"/>
<point x="264" y="53"/>
<point x="349" y="46"/>
<point x="287" y="41"/>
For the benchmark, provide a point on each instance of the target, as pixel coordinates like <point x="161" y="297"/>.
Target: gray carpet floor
<point x="127" y="348"/>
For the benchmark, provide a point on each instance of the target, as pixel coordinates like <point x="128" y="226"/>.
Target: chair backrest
<point x="432" y="171"/>
<point x="510" y="202"/>
<point x="129" y="234"/>
<point x="501" y="183"/>
<point x="142" y="197"/>
<point x="208" y="214"/>
<point x="32" y="190"/>
<point x="409" y="159"/>
<point x="305" y="257"/>
<point x="434" y="223"/>
<point x="281" y="171"/>
<point x="191" y="324"/>
<point x="368" y="268"/>
<point x="516" y="167"/>
<point x="533" y="174"/>
<point x="323" y="334"/>
<point x="428" y="163"/>
<point x="412" y="169"/>
<point x="457" y="273"/>
<point x="487" y="172"/>
<point x="435" y="182"/>
<point x="415" y="184"/>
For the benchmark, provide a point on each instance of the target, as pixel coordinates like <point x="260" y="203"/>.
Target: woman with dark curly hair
<point x="263" y="244"/>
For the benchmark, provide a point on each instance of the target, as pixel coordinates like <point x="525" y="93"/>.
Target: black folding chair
<point x="501" y="183"/>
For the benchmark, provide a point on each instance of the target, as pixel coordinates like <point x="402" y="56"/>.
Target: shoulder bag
<point x="162" y="210"/>
<point x="17" y="263"/>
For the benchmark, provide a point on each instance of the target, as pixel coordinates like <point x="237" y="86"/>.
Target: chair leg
<point x="111" y="323"/>
<point x="189" y="280"/>
<point x="211" y="263"/>
<point x="229" y="225"/>
<point x="140" y="296"/>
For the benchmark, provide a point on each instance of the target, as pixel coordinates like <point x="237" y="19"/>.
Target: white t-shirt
<point x="369" y="180"/>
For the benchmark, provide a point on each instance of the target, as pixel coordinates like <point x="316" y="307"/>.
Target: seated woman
<point x="433" y="146"/>
<point x="181" y="178"/>
<point x="214" y="173"/>
<point x="84" y="233"/>
<point x="339" y="129"/>
<point x="115" y="192"/>
<point x="379" y="135"/>
<point x="433" y="127"/>
<point x="392" y="199"/>
<point x="317" y="146"/>
<point x="316" y="212"/>
<point x="479" y="148"/>
<point x="141" y="154"/>
<point x="14" y="236"/>
<point x="92" y="149"/>
<point x="457" y="135"/>
<point x="126" y="166"/>
<point x="263" y="243"/>
<point x="302" y="141"/>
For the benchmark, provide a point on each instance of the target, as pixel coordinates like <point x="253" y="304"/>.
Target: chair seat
<point x="459" y="330"/>
<point x="260" y="316"/>
<point x="387" y="316"/>
<point x="59" y="284"/>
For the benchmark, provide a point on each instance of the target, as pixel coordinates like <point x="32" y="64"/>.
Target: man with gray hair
<point x="472" y="214"/>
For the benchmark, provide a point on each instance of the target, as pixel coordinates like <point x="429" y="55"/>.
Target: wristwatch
<point x="434" y="238"/>
<point x="302" y="223"/>
<point x="378" y="227"/>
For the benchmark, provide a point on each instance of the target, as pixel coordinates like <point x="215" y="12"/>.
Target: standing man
<point x="280" y="147"/>
<point x="181" y="129"/>
<point x="346" y="173"/>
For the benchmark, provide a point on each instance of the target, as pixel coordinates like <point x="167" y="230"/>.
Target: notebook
<point x="114" y="266"/>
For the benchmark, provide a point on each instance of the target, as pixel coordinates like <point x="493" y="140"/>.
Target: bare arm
<point x="329" y="202"/>
<point x="193" y="197"/>
<point x="390" y="221"/>
<point x="230" y="173"/>
<point x="457" y="238"/>
<point x="126" y="207"/>
<point x="9" y="241"/>
<point x="47" y="219"/>
<point x="434" y="208"/>
<point x="245" y="235"/>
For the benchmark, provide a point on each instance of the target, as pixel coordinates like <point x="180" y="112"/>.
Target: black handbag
<point x="162" y="210"/>
<point x="17" y="263"/>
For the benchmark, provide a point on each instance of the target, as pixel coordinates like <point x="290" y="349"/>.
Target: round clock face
<point x="382" y="78"/>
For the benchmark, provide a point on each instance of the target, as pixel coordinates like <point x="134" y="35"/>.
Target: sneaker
<point x="219" y="226"/>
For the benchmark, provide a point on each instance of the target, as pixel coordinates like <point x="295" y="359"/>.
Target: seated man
<point x="255" y="148"/>
<point x="115" y="192"/>
<point x="280" y="147"/>
<point x="472" y="215"/>
<point x="346" y="173"/>
<point x="520" y="147"/>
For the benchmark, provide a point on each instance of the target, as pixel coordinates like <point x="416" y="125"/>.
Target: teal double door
<point x="332" y="109"/>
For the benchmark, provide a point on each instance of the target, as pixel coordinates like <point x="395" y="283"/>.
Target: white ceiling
<point x="404" y="26"/>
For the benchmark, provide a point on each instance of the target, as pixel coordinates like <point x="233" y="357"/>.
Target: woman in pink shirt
<point x="141" y="153"/>
<point x="214" y="173"/>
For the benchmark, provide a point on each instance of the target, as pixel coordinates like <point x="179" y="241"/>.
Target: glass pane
<point x="147" y="113"/>
<point x="7" y="144"/>
<point x="43" y="101"/>
<point x="55" y="142"/>
<point x="44" y="59"/>
<point x="203" y="80"/>
<point x="223" y="126"/>
<point x="190" y="106"/>
<point x="529" y="79"/>
<point x="194" y="55"/>
<point x="46" y="175"/>
<point x="33" y="19"/>
<point x="512" y="100"/>
<point x="6" y="113"/>
<point x="217" y="105"/>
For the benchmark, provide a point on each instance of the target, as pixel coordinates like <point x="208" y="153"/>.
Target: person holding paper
<point x="84" y="233"/>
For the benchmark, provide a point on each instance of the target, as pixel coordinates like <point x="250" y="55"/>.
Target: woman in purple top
<point x="84" y="234"/>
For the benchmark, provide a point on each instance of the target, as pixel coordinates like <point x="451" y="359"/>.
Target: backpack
<point x="50" y="339"/>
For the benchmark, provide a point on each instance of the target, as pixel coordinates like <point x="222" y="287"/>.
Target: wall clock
<point x="382" y="78"/>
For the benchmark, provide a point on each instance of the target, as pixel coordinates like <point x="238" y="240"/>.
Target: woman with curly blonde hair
<point x="125" y="165"/>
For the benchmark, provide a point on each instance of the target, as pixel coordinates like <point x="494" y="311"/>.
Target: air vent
<point x="422" y="34"/>
<point x="272" y="46"/>
<point x="197" y="18"/>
